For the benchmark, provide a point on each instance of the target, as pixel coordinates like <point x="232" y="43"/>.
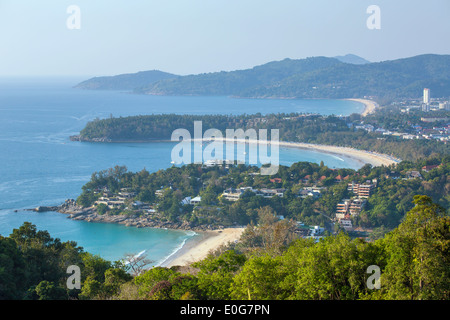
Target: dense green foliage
<point x="294" y="127"/>
<point x="413" y="261"/>
<point x="315" y="77"/>
<point x="392" y="198"/>
<point x="153" y="127"/>
<point x="385" y="208"/>
<point x="319" y="77"/>
<point x="391" y="118"/>
<point x="33" y="266"/>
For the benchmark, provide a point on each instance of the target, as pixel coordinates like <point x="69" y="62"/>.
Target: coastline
<point x="369" y="105"/>
<point x="199" y="247"/>
<point x="193" y="249"/>
<point x="373" y="158"/>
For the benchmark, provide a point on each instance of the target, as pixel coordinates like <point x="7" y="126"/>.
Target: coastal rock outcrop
<point x="90" y="215"/>
<point x="76" y="212"/>
<point x="81" y="138"/>
<point x="68" y="207"/>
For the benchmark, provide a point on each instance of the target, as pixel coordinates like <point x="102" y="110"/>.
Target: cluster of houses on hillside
<point x="441" y="133"/>
<point x="348" y="208"/>
<point x="232" y="194"/>
<point x="118" y="200"/>
<point x="411" y="174"/>
<point x="122" y="198"/>
<point x="113" y="201"/>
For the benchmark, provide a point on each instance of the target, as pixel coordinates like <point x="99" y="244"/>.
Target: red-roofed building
<point x="429" y="167"/>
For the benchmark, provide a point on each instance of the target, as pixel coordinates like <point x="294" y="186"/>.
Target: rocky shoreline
<point x="82" y="139"/>
<point x="76" y="212"/>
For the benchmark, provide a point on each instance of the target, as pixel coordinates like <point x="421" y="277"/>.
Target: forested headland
<point x="310" y="78"/>
<point x="316" y="129"/>
<point x="165" y="192"/>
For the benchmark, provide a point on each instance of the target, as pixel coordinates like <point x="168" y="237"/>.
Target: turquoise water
<point x="111" y="241"/>
<point x="40" y="166"/>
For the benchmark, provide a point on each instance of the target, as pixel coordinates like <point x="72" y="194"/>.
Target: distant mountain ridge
<point x="315" y="77"/>
<point x="128" y="81"/>
<point x="351" y="58"/>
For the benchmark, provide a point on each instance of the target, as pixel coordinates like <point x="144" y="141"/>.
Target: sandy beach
<point x="370" y="106"/>
<point x="373" y="158"/>
<point x="197" y="250"/>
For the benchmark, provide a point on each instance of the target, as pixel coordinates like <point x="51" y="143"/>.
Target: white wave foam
<point x="336" y="157"/>
<point x="190" y="234"/>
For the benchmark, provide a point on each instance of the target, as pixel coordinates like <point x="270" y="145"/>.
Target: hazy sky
<point x="196" y="36"/>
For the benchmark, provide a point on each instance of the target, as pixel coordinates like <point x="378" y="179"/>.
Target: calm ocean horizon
<point x="41" y="166"/>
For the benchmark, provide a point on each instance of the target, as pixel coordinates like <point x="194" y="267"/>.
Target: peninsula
<point x="218" y="201"/>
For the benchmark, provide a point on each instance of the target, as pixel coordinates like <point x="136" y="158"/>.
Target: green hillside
<point x="319" y="77"/>
<point x="124" y="81"/>
<point x="315" y="77"/>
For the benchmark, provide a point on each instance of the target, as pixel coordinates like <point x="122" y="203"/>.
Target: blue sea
<point x="39" y="165"/>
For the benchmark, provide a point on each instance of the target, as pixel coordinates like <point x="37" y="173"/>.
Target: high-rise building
<point x="426" y="96"/>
